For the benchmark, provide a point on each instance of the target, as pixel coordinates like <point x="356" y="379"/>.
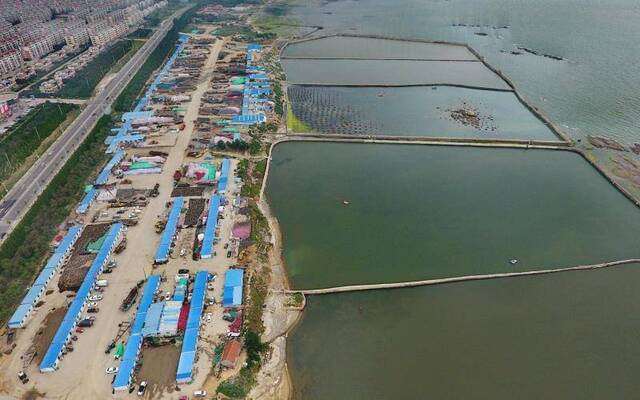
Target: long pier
<point x="466" y="278"/>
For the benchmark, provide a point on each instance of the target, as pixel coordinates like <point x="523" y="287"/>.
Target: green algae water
<point x="560" y="336"/>
<point x="419" y="212"/>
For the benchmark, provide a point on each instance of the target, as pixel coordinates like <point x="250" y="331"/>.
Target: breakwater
<point x="466" y="278"/>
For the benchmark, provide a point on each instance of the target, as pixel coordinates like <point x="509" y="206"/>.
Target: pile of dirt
<point x="187" y="191"/>
<point x="76" y="268"/>
<point x="192" y="216"/>
<point x="468" y="115"/>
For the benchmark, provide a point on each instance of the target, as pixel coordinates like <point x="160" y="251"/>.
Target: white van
<point x="102" y="283"/>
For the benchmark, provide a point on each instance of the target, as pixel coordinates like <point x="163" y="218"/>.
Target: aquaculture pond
<point x="375" y="48"/>
<point x="418" y="212"/>
<point x="562" y="336"/>
<point x="593" y="89"/>
<point x="391" y="72"/>
<point x="416" y="111"/>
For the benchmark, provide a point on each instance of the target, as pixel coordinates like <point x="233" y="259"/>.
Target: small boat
<point x="513" y="262"/>
<point x="345" y="202"/>
<point x="380" y="94"/>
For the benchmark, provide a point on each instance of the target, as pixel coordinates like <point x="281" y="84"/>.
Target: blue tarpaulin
<point x="162" y="254"/>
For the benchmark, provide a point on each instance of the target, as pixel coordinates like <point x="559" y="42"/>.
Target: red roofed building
<point x="230" y="354"/>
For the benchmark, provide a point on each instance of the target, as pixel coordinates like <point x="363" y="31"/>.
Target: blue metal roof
<point x="152" y="319"/>
<point x="248" y="119"/>
<point x="210" y="227"/>
<point x="50" y="359"/>
<point x="131" y="115"/>
<point x="190" y="341"/>
<point x="86" y="201"/>
<point x="132" y="348"/>
<point x="19" y="317"/>
<point x="232" y="292"/>
<point x="162" y="254"/>
<point x="106" y="171"/>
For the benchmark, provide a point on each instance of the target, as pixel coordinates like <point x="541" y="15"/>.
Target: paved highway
<point x="24" y="193"/>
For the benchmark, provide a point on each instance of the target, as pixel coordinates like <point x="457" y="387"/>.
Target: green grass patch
<point x="25" y="137"/>
<point x="294" y="124"/>
<point x="24" y="251"/>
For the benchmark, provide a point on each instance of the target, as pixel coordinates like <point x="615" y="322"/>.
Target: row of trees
<point x="25" y="136"/>
<point x="23" y="252"/>
<point x="85" y="80"/>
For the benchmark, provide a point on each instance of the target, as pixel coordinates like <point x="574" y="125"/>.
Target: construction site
<point x="142" y="293"/>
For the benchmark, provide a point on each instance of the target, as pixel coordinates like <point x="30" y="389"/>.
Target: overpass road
<point x="25" y="192"/>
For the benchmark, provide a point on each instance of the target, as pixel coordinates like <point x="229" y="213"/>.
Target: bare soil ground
<point x="45" y="334"/>
<point x="159" y="366"/>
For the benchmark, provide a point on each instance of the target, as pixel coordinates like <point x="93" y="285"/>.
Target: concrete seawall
<point x="467" y="278"/>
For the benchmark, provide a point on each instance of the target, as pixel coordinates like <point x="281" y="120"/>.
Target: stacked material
<point x="20" y="316"/>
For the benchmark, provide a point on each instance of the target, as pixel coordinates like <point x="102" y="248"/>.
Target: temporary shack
<point x="231" y="353"/>
<point x="232" y="292"/>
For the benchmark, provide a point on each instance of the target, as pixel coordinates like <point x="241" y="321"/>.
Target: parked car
<point x="208" y="317"/>
<point x="112" y="370"/>
<point x="79" y="330"/>
<point x="102" y="283"/>
<point x="200" y="393"/>
<point x="93" y="310"/>
<point x="95" y="297"/>
<point x="85" y="323"/>
<point x="229" y="254"/>
<point x="142" y="388"/>
<point x="92" y="304"/>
